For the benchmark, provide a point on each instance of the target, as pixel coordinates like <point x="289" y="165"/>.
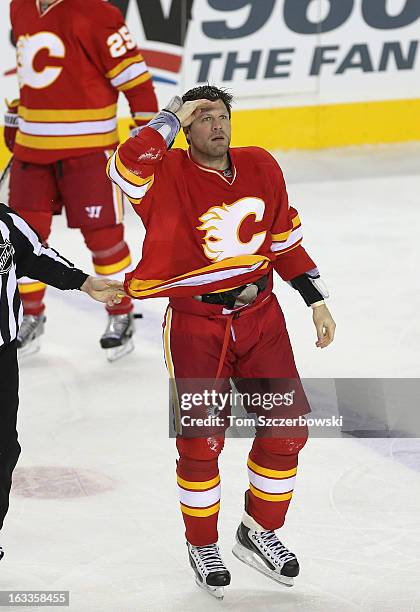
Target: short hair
<point x="209" y="92"/>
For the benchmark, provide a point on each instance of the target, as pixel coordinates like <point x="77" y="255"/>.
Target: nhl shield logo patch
<point x="6" y="256"/>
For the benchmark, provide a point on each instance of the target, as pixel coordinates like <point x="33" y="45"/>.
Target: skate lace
<point x="210" y="558"/>
<point x="276" y="549"/>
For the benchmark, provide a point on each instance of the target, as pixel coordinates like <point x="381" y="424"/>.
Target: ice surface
<point x="95" y="506"/>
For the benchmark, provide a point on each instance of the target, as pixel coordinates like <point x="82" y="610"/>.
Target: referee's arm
<point x="39" y="262"/>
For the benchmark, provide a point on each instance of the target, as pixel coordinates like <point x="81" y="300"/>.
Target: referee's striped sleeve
<point x="23" y="254"/>
<point x="37" y="261"/>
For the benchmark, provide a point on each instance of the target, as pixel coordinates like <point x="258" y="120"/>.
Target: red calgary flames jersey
<point x="73" y="60"/>
<point x="206" y="231"/>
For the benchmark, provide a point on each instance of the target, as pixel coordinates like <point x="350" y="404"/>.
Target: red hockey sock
<point x="272" y="467"/>
<point x="199" y="489"/>
<point x="111" y="258"/>
<point x="32" y="296"/>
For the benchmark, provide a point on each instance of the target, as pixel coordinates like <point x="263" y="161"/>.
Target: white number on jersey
<point x="120" y="42"/>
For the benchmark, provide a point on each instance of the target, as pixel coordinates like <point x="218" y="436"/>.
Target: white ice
<point x="99" y="430"/>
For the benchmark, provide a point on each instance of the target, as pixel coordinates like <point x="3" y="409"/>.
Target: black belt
<point x="228" y="298"/>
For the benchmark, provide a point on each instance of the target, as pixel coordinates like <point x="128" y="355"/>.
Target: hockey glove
<point x="11" y="124"/>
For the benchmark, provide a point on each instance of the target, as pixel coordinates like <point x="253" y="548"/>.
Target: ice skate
<point x="263" y="551"/>
<point x="1" y="553"/>
<point x="211" y="574"/>
<point x="117" y="338"/>
<point x="28" y="338"/>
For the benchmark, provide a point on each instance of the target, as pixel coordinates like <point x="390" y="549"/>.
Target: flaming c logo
<point x="222" y="225"/>
<point x="27" y="49"/>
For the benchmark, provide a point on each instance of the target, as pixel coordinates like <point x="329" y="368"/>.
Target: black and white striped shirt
<point x="22" y="254"/>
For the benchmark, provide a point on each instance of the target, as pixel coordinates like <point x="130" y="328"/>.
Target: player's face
<point x="209" y="134"/>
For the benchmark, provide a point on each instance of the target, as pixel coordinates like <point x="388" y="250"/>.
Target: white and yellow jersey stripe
<point x="286" y="241"/>
<point x="67" y="128"/>
<point x="129" y="73"/>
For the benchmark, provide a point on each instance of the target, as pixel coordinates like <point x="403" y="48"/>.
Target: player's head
<point x="210" y="132"/>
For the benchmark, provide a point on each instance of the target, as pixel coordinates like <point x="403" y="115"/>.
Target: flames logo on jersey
<point x="222" y="226"/>
<point x="27" y="48"/>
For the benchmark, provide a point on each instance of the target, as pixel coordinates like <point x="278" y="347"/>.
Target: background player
<point x="73" y="57"/>
<point x="218" y="217"/>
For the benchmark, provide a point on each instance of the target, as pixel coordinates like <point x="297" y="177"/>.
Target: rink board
<point x="314" y="127"/>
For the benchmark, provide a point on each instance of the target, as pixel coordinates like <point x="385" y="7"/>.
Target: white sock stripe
<point x="271" y="485"/>
<point x="199" y="499"/>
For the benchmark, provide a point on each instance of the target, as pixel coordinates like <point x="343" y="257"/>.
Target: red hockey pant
<point x="257" y="346"/>
<point x="92" y="203"/>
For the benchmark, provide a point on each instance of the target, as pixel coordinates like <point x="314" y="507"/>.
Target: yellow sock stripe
<point x="198" y="485"/>
<point x="123" y="65"/>
<point x="131" y="84"/>
<point x="31" y="287"/>
<point x="271" y="473"/>
<point x="272" y="497"/>
<point x="202" y="512"/>
<point x="129" y="176"/>
<point x="113" y="268"/>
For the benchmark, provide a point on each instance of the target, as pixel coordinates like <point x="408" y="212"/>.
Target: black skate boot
<point x="263" y="551"/>
<point x="1" y="553"/>
<point x="210" y="571"/>
<point x="117" y="338"/>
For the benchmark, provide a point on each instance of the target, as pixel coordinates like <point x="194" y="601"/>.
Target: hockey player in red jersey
<point x="218" y="223"/>
<point x="73" y="58"/>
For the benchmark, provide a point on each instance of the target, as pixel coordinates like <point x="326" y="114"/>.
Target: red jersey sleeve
<point x="291" y="259"/>
<point x="135" y="163"/>
<point x="121" y="62"/>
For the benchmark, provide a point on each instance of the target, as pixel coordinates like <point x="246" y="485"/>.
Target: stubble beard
<point x="218" y="150"/>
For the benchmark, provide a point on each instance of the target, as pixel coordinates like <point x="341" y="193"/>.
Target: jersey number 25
<point x="120" y="42"/>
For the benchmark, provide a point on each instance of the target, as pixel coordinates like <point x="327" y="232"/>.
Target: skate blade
<point x="253" y="560"/>
<point x="117" y="352"/>
<point x="30" y="349"/>
<point x="217" y="592"/>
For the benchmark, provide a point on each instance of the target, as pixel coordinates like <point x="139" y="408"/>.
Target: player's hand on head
<point x="324" y="325"/>
<point x="190" y="110"/>
<point x="104" y="290"/>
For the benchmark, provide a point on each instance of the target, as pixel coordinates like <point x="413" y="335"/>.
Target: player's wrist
<point x="167" y="124"/>
<point x="310" y="286"/>
<point x="86" y="284"/>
